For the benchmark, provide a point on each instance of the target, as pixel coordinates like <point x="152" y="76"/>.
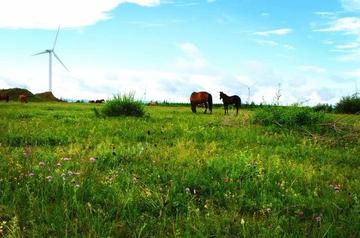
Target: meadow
<point x="65" y="172"/>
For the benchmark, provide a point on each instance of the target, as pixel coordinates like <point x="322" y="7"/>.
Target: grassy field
<point x="66" y="173"/>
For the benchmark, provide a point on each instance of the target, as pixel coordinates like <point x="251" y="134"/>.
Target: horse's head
<point x="221" y="95"/>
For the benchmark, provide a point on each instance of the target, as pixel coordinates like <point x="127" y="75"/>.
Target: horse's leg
<point x="206" y="107"/>
<point x="238" y="105"/>
<point x="193" y="107"/>
<point x="224" y="109"/>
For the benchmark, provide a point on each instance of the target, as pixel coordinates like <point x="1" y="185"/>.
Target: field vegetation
<point x="349" y="104"/>
<point x="65" y="171"/>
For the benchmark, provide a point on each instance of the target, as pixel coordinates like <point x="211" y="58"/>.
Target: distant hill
<point x="39" y="97"/>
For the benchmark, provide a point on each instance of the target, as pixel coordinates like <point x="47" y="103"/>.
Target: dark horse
<point x="230" y="100"/>
<point x="4" y="96"/>
<point x="197" y="98"/>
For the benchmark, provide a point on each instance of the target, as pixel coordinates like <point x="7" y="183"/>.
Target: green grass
<point x="172" y="174"/>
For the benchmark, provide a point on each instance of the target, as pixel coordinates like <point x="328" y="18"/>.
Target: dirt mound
<point x="47" y="96"/>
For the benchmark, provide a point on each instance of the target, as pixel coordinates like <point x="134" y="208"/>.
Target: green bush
<point x="349" y="104"/>
<point x="323" y="108"/>
<point x="288" y="116"/>
<point x="123" y="105"/>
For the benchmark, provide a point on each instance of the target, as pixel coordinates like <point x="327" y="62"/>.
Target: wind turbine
<point x="249" y="91"/>
<point x="51" y="52"/>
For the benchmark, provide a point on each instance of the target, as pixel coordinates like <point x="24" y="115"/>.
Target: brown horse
<point x="23" y="98"/>
<point x="230" y="100"/>
<point x="4" y="96"/>
<point x="197" y="98"/>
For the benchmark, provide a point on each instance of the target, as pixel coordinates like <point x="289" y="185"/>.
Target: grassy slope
<point x="170" y="174"/>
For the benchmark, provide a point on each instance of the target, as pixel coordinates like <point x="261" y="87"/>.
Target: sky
<point x="266" y="51"/>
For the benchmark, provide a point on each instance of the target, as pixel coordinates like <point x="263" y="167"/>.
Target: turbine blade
<point x="60" y="61"/>
<point x="56" y="37"/>
<point x="40" y="53"/>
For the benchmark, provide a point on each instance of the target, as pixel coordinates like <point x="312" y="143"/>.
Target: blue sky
<point x="166" y="49"/>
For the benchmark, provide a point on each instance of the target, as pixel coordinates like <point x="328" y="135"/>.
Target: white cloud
<point x="289" y="47"/>
<point x="328" y="42"/>
<point x="45" y="14"/>
<point x="183" y="3"/>
<point x="349" y="56"/>
<point x="327" y="15"/>
<point x="355" y="73"/>
<point x="271" y="43"/>
<point x="312" y="69"/>
<point x="190" y="49"/>
<point x="4" y="83"/>
<point x="279" y="32"/>
<point x="192" y="60"/>
<point x="348" y="46"/>
<point x="348" y="25"/>
<point x="260" y="73"/>
<point x="350" y="5"/>
<point x="267" y="43"/>
<point x="225" y="19"/>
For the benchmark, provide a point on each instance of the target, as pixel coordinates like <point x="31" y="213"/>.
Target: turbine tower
<point x="249" y="91"/>
<point x="51" y="52"/>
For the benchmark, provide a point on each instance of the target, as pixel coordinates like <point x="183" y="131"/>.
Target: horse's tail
<point x="238" y="106"/>
<point x="210" y="102"/>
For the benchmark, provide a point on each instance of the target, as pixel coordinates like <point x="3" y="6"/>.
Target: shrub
<point x="323" y="108"/>
<point x="288" y="116"/>
<point x="349" y="104"/>
<point x="124" y="105"/>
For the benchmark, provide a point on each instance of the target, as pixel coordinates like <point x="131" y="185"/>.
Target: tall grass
<point x="123" y="105"/>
